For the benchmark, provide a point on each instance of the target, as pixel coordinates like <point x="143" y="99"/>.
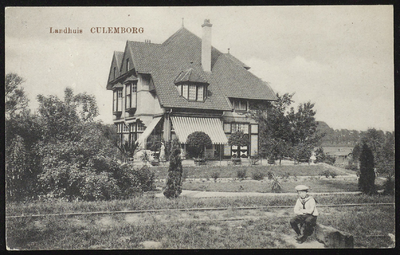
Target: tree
<point x="238" y="138"/>
<point x="60" y="118"/>
<point x="22" y="131"/>
<point x="366" y="182"/>
<point x="15" y="98"/>
<point x="173" y="186"/>
<point x="196" y="142"/>
<point x="275" y="129"/>
<point x="319" y="155"/>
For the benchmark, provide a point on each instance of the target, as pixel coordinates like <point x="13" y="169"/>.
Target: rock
<point x="333" y="238"/>
<point x="151" y="245"/>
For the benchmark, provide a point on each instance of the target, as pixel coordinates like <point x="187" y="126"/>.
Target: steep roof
<point x="190" y="75"/>
<point x="182" y="51"/>
<point x="116" y="62"/>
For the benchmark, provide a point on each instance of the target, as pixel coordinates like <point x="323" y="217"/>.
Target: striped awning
<point x="184" y="126"/>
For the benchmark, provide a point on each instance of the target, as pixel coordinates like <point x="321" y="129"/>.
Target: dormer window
<point x="192" y="92"/>
<point x="127" y="64"/>
<point x="115" y="73"/>
<point x="191" y="86"/>
<point x="239" y="104"/>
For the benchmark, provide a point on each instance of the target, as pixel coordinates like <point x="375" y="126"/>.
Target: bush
<point x="388" y="186"/>
<point x="330" y="160"/>
<point x="276" y="186"/>
<point x="285" y="175"/>
<point x="333" y="174"/>
<point x="326" y="173"/>
<point x="196" y="142"/>
<point x="173" y="186"/>
<point x="258" y="176"/>
<point x="254" y="159"/>
<point x="270" y="175"/>
<point x="366" y="182"/>
<point x="319" y="155"/>
<point x="352" y="167"/>
<point x="215" y="176"/>
<point x="241" y="174"/>
<point x="146" y="178"/>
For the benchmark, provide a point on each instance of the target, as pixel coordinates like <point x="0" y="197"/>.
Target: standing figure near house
<point x="306" y="214"/>
<point x="162" y="152"/>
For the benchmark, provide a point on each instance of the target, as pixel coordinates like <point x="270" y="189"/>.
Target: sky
<point x="339" y="57"/>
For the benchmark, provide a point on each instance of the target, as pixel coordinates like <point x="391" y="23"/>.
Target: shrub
<point x="352" y="167"/>
<point x="215" y="176"/>
<point x="241" y="174"/>
<point x="238" y="138"/>
<point x="330" y="160"/>
<point x="319" y="155"/>
<point x="276" y="186"/>
<point x="173" y="186"/>
<point x="146" y="178"/>
<point x="366" y="182"/>
<point x="270" y="175"/>
<point x="258" y="176"/>
<point x="271" y="160"/>
<point x="285" y="175"/>
<point x="326" y="173"/>
<point x="254" y="159"/>
<point x="388" y="186"/>
<point x="196" y="142"/>
<point x="333" y="174"/>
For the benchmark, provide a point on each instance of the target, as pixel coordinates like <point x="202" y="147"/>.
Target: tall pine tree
<point x="366" y="183"/>
<point x="173" y="187"/>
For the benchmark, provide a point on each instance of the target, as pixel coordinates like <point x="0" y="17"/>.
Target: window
<point x="227" y="127"/>
<point x="127" y="64"/>
<point x="240" y="127"/>
<point x="140" y="127"/>
<point x="128" y="96"/>
<point x="125" y="128"/>
<point x="119" y="103"/>
<point x="192" y="92"/>
<point x="185" y="91"/>
<point x="117" y="100"/>
<point x="179" y="88"/>
<point x="200" y="93"/>
<point x="115" y="73"/>
<point x="239" y="104"/>
<point x="134" y="87"/>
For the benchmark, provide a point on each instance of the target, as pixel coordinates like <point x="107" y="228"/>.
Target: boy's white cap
<point x="302" y="187"/>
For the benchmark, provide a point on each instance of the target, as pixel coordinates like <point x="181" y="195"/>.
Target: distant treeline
<point x="339" y="137"/>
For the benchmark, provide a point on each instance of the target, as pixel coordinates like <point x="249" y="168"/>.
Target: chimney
<point x="206" y="46"/>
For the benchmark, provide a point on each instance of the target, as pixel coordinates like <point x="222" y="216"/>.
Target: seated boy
<point x="306" y="214"/>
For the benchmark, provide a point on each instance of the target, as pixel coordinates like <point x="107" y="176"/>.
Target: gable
<point x="127" y="62"/>
<point x="115" y="68"/>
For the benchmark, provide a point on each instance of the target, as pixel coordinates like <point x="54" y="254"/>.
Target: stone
<point x="333" y="238"/>
<point x="151" y="245"/>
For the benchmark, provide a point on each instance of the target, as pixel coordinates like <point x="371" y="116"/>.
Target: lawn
<point x="229" y="228"/>
<point x="231" y="171"/>
<point x="317" y="184"/>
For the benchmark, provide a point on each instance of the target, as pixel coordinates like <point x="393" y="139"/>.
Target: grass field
<point x="264" y="227"/>
<point x="288" y="185"/>
<point x="260" y="228"/>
